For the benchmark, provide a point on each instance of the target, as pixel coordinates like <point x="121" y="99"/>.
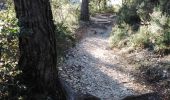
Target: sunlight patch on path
<point x="91" y="68"/>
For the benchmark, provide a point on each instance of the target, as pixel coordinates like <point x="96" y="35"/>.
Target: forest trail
<point x="91" y="67"/>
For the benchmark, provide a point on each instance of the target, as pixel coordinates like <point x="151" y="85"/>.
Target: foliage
<point x="141" y="39"/>
<point x="8" y="49"/>
<point x="99" y="6"/>
<point x="119" y="33"/>
<point x="65" y="40"/>
<point x="148" y="22"/>
<point x="66" y="12"/>
<point x="128" y="15"/>
<point x="66" y="15"/>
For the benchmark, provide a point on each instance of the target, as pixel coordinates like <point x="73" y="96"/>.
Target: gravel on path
<point x="91" y="67"/>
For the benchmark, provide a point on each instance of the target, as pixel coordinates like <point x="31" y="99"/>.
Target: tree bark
<point x="37" y="44"/>
<point x="84" y="16"/>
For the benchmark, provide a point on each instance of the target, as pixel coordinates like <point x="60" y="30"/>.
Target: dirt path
<point x="91" y="67"/>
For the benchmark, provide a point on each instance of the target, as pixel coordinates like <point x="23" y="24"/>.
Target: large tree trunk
<point x="37" y="44"/>
<point x="84" y="16"/>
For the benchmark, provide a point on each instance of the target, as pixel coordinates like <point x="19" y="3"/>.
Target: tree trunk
<point x="37" y="44"/>
<point x="84" y="16"/>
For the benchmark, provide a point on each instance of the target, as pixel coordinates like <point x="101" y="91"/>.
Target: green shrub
<point x="95" y="7"/>
<point x="128" y="15"/>
<point x="118" y="34"/>
<point x="8" y="49"/>
<point x="67" y="13"/>
<point x="160" y="27"/>
<point x="64" y="38"/>
<point x="141" y="39"/>
<point x="148" y="25"/>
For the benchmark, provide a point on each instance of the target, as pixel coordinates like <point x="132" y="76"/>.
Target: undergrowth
<point x="97" y="6"/>
<point x="141" y="28"/>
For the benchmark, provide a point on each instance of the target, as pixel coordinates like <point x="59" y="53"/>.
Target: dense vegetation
<point x="101" y="6"/>
<point x="143" y="24"/>
<point x="8" y="49"/>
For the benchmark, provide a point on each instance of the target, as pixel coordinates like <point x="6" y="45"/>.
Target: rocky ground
<point x="92" y="67"/>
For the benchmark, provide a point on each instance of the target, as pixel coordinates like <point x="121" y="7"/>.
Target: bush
<point x="8" y="49"/>
<point x="66" y="12"/>
<point x="128" y="15"/>
<point x="145" y="28"/>
<point x="141" y="39"/>
<point x="96" y="7"/>
<point x="118" y="34"/>
<point x="160" y="27"/>
<point x="64" y="38"/>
